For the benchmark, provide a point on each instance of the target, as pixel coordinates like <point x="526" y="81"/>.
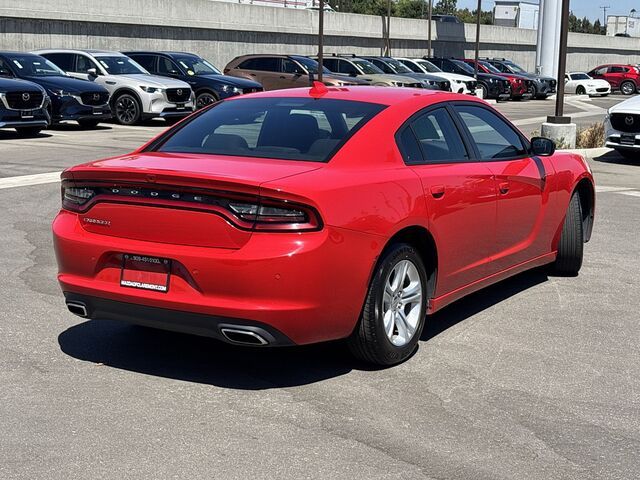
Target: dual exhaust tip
<point x="234" y="334"/>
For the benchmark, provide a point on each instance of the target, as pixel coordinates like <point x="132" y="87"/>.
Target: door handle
<point x="437" y="191"/>
<point x="503" y="187"/>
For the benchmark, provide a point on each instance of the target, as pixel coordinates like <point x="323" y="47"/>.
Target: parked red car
<point x="305" y="215"/>
<point x="625" y="78"/>
<point x="521" y="87"/>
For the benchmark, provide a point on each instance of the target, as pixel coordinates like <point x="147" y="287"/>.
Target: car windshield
<point x="367" y="67"/>
<point x="397" y="66"/>
<point x="515" y="68"/>
<point x="490" y="67"/>
<point x="310" y="64"/>
<point x="428" y="66"/>
<point x="465" y="67"/>
<point x="197" y="66"/>
<point x="281" y="128"/>
<point x="580" y="76"/>
<point x="35" y="66"/>
<point x="120" y="65"/>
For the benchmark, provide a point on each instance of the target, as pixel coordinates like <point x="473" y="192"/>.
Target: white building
<point x="621" y="24"/>
<point x="520" y="14"/>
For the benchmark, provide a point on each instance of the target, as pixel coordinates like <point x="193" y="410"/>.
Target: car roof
<point x="159" y="52"/>
<point x="368" y="94"/>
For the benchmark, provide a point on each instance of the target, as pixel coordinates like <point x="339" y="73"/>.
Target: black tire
<point x="571" y="246"/>
<point x="369" y="341"/>
<point x="88" y="123"/>
<point x="485" y="91"/>
<point x="580" y="90"/>
<point x="127" y="109"/>
<point x="205" y="98"/>
<point x="28" y="131"/>
<point x="628" y="88"/>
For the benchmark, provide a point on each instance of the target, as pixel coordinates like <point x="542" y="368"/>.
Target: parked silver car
<point x="135" y="94"/>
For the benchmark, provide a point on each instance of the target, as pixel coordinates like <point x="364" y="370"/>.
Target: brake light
<point x="245" y="212"/>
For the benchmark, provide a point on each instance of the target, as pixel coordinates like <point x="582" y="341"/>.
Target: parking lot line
<point x="631" y="193"/>
<point x="27" y="180"/>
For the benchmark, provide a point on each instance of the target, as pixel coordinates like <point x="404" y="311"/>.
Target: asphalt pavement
<point x="534" y="378"/>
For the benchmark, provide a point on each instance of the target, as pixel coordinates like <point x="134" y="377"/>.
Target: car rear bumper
<point x="310" y="287"/>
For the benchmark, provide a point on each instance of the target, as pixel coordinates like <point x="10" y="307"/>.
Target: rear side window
<point x="64" y="61"/>
<point x="494" y="138"/>
<point x="617" y="70"/>
<point x="266" y="64"/>
<point x="281" y="128"/>
<point x="148" y="62"/>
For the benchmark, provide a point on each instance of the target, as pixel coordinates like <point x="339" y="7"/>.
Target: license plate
<point x="628" y="139"/>
<point x="27" y="113"/>
<point x="180" y="106"/>
<point x="97" y="111"/>
<point x="145" y="273"/>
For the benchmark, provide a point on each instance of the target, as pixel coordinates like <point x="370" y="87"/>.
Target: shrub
<point x="591" y="137"/>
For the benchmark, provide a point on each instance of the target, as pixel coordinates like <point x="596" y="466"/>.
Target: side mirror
<point x="543" y="147"/>
<point x="92" y="72"/>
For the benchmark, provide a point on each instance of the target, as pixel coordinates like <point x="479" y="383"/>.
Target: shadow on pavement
<point x="13" y="135"/>
<point x="208" y="361"/>
<point x="615" y="157"/>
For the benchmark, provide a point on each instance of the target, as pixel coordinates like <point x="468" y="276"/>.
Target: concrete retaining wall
<point x="220" y="31"/>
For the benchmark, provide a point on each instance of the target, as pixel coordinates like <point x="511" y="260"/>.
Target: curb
<point x="589" y="152"/>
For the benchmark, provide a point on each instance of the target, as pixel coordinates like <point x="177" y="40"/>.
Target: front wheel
<point x="395" y="308"/>
<point x="581" y="91"/>
<point x="28" y="131"/>
<point x="127" y="109"/>
<point x="485" y="91"/>
<point x="205" y="98"/>
<point x="571" y="246"/>
<point x="628" y="88"/>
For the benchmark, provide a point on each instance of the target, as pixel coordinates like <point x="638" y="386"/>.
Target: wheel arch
<point x="586" y="192"/>
<point x="423" y="241"/>
<point x="130" y="91"/>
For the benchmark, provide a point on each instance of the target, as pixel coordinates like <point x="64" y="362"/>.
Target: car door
<point x="520" y="183"/>
<point x="459" y="193"/>
<point x="292" y="74"/>
<point x="570" y="85"/>
<point x="615" y="75"/>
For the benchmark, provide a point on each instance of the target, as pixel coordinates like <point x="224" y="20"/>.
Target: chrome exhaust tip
<point x="243" y="337"/>
<point x="78" y="308"/>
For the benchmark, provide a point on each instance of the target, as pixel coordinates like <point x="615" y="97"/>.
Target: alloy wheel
<point x="126" y="110"/>
<point x="402" y="303"/>
<point x="628" y="88"/>
<point x="204" y="99"/>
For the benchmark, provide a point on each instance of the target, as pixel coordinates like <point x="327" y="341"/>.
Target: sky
<point x="582" y="8"/>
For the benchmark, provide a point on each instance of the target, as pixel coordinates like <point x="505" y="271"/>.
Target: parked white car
<point x="581" y="83"/>
<point x="622" y="127"/>
<point x="135" y="94"/>
<point x="459" y="83"/>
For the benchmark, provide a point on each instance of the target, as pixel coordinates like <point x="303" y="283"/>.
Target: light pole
<point x="429" y="17"/>
<point x="562" y="66"/>
<point x="478" y="38"/>
<point x="320" y="40"/>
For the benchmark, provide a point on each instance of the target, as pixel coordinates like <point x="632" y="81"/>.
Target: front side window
<point x="428" y="66"/>
<point x="84" y="64"/>
<point x="120" y="65"/>
<point x="494" y="138"/>
<point x="263" y="64"/>
<point x="167" y="67"/>
<point x="5" y="71"/>
<point x="280" y="128"/>
<point x="291" y="67"/>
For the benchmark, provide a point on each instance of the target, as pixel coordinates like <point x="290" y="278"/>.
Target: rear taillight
<point x="245" y="212"/>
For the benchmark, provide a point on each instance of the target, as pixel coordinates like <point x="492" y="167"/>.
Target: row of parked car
<point x="91" y="86"/>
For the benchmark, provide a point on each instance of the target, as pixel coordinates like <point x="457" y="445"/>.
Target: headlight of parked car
<point x="60" y="93"/>
<point x="231" y="89"/>
<point x="150" y="89"/>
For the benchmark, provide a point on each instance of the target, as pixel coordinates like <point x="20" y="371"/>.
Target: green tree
<point x="410" y="8"/>
<point x="446" y="7"/>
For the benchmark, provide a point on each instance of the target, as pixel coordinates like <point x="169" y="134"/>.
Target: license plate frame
<point x="628" y="139"/>
<point x="144" y="272"/>
<point x="27" y="113"/>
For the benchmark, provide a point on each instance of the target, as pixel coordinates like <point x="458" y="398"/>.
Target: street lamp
<point x="559" y="117"/>
<point x="479" y="12"/>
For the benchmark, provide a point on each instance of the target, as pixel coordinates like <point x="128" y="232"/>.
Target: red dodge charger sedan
<point x="306" y="215"/>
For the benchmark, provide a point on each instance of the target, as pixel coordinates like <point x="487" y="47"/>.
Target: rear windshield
<point x="283" y="128"/>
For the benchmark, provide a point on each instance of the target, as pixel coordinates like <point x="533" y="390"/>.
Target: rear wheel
<point x="394" y="311"/>
<point x="28" y="131"/>
<point x="628" y="88"/>
<point x="485" y="91"/>
<point x="88" y="123"/>
<point x="127" y="109"/>
<point x="571" y="246"/>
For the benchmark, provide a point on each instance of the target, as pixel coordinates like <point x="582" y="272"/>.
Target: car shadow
<point x="13" y="135"/>
<point x="203" y="360"/>
<point x="617" y="158"/>
<point x="75" y="127"/>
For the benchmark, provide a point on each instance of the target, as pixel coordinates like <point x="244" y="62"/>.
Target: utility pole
<point x="562" y="62"/>
<point x="478" y="38"/>
<point x="604" y="14"/>
<point x="430" y="17"/>
<point x="388" y="46"/>
<point x="320" y="40"/>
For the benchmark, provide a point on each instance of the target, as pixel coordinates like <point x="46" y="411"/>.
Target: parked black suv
<point x="208" y="83"/>
<point x="71" y="99"/>
<point x="542" y="86"/>
<point x="23" y="106"/>
<point x="493" y="86"/>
